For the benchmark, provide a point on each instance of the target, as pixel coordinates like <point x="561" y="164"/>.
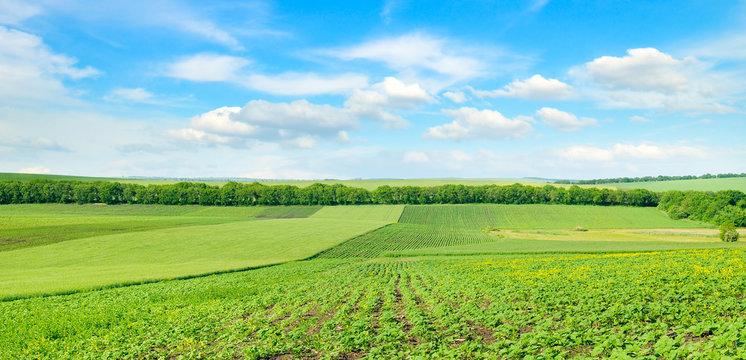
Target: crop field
<point x="374" y="281"/>
<point x="539" y="217"/>
<point x="736" y="183"/>
<point x="398" y="237"/>
<point x="643" y="305"/>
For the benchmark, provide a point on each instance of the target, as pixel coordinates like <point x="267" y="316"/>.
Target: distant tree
<point x="728" y="232"/>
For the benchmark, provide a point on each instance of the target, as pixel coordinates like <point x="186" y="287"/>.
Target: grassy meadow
<point x="375" y="281"/>
<point x="74" y="252"/>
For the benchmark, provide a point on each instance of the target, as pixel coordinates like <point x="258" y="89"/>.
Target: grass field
<point x="441" y="281"/>
<point x="738" y="183"/>
<point x="74" y="249"/>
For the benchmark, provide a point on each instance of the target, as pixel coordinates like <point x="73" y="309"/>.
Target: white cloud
<point x="650" y="79"/>
<point x="231" y="69"/>
<point x="32" y="73"/>
<point x="175" y="16"/>
<point x="35" y="170"/>
<point x="138" y="95"/>
<point x="628" y="152"/>
<point x="382" y="97"/>
<point x="563" y="121"/>
<point x="587" y="153"/>
<point x="221" y="121"/>
<point x="415" y="157"/>
<point x="645" y="69"/>
<point x="14" y="12"/>
<point x="455" y="96"/>
<point x="471" y="123"/>
<point x="296" y="124"/>
<point x="418" y="52"/>
<point x="198" y="136"/>
<point x="300" y="123"/>
<point x="33" y="144"/>
<point x="638" y="119"/>
<point x="207" y="67"/>
<point x="305" y="83"/>
<point x="533" y="88"/>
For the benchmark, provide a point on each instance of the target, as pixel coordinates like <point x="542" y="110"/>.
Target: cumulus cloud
<point x="297" y="124"/>
<point x="533" y="88"/>
<point x="642" y="69"/>
<point x="455" y="96"/>
<point x="377" y="102"/>
<point x="622" y="152"/>
<point x="221" y="121"/>
<point x="647" y="78"/>
<point x="32" y="73"/>
<point x="197" y="136"/>
<point x="563" y="121"/>
<point x="301" y="123"/>
<point x="471" y="123"/>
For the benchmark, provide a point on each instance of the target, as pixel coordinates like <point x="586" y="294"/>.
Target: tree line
<point x="648" y="179"/>
<point x="722" y="207"/>
<point x="251" y="194"/>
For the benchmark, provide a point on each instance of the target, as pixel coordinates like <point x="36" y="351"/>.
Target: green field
<point x="736" y="183"/>
<point x="376" y="281"/>
<point x="539" y="217"/>
<point x="75" y="250"/>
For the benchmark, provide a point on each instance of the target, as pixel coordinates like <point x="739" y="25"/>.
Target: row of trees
<point x="243" y="194"/>
<point x="722" y="207"/>
<point x="648" y="179"/>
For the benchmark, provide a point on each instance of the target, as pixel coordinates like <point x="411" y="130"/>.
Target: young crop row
<point x="397" y="237"/>
<point x="538" y="216"/>
<point x="684" y="304"/>
<point x="454" y="217"/>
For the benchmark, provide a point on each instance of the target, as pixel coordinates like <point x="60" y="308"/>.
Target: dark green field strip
<point x="470" y="216"/>
<point x="397" y="237"/>
<point x="477" y="216"/>
<point x="12" y="239"/>
<point x="288" y="212"/>
<point x="682" y="304"/>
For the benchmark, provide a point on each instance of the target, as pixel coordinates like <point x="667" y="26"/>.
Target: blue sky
<point x="373" y="89"/>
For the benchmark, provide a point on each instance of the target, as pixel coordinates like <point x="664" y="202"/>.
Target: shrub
<point x="728" y="232"/>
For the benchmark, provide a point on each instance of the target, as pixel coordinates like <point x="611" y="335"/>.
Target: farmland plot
<point x="642" y="305"/>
